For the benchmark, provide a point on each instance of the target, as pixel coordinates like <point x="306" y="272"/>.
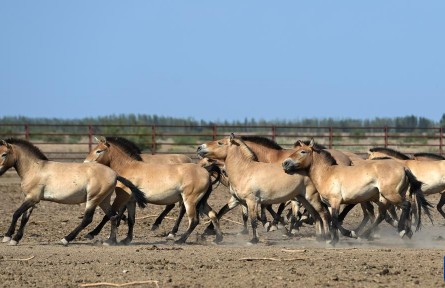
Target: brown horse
<point x="65" y="183"/>
<point x="250" y="180"/>
<point x="383" y="182"/>
<point x="163" y="184"/>
<point x="431" y="173"/>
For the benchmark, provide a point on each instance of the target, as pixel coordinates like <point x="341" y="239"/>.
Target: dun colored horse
<point x="163" y="184"/>
<point x="430" y="173"/>
<point x="65" y="183"/>
<point x="250" y="180"/>
<point x="383" y="182"/>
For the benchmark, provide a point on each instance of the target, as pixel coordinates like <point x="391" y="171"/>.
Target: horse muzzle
<point x="201" y="150"/>
<point x="289" y="166"/>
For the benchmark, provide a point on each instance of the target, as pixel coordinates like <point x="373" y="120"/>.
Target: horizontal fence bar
<point x="71" y="142"/>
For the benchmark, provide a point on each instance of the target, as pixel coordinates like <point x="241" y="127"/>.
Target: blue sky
<point x="223" y="60"/>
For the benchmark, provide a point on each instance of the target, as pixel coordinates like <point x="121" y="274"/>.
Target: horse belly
<point x="360" y="195"/>
<point x="65" y="196"/>
<point x="164" y="197"/>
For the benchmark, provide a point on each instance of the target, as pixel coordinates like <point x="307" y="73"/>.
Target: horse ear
<point x="6" y="144"/>
<point x="311" y="143"/>
<point x="232" y="137"/>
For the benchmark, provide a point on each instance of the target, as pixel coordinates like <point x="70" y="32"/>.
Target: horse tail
<point x="138" y="195"/>
<point x="211" y="169"/>
<point x="420" y="200"/>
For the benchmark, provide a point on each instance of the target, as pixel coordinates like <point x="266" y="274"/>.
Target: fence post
<point x="153" y="139"/>
<point x="331" y="137"/>
<point x="274" y="132"/>
<point x="90" y="137"/>
<point x="214" y="134"/>
<point x="386" y="136"/>
<point x="441" y="141"/>
<point x="27" y="132"/>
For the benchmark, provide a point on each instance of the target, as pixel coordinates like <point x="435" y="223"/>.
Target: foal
<point x="65" y="183"/>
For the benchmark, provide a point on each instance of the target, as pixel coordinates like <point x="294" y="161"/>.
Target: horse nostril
<point x="199" y="148"/>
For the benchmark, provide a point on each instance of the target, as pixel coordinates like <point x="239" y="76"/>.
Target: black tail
<point x="138" y="195"/>
<point x="212" y="169"/>
<point x="215" y="171"/>
<point x="422" y="203"/>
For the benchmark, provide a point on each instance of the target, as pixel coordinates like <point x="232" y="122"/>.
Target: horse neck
<point x="120" y="160"/>
<point x="265" y="154"/>
<point x="26" y="162"/>
<point x="318" y="169"/>
<point x="237" y="162"/>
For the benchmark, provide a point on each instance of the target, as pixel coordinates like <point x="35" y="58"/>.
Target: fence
<point x="73" y="142"/>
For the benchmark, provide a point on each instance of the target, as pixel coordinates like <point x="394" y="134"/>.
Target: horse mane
<point x="127" y="146"/>
<point x="306" y="142"/>
<point x="429" y="155"/>
<point x="328" y="157"/>
<point x="382" y="158"/>
<point x="28" y="146"/>
<point x="391" y="152"/>
<point x="269" y="143"/>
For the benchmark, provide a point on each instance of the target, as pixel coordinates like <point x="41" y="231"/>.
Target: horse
<point x="383" y="182"/>
<point x="163" y="184"/>
<point x="250" y="180"/>
<point x="430" y="170"/>
<point x="65" y="183"/>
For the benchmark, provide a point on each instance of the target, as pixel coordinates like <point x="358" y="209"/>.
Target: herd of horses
<point x="116" y="176"/>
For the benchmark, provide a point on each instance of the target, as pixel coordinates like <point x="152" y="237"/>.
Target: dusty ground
<point x="386" y="262"/>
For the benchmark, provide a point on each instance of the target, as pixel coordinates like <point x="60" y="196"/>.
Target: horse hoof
<point x="13" y="243"/>
<point x="409" y="234"/>
<point x="154" y="227"/>
<point x="376" y="236"/>
<point x="254" y="241"/>
<point x="6" y="239"/>
<point x="273" y="228"/>
<point x="180" y="241"/>
<point x="109" y="242"/>
<point x="89" y="236"/>
<point x="209" y="232"/>
<point x="354" y="235"/>
<point x="170" y="236"/>
<point x="402" y="233"/>
<point x="126" y="241"/>
<point x="218" y="239"/>
<point x="267" y="226"/>
<point x="64" y="242"/>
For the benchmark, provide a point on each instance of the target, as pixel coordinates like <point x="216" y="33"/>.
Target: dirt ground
<point x="277" y="261"/>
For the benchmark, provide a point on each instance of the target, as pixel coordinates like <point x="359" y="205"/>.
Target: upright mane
<point x="127" y="146"/>
<point x="328" y="157"/>
<point x="390" y="152"/>
<point x="28" y="146"/>
<point x="262" y="141"/>
<point x="306" y="142"/>
<point x="246" y="151"/>
<point x="433" y="156"/>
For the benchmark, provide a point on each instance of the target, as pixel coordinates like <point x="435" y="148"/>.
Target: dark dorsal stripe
<point x="306" y="142"/>
<point x="328" y="157"/>
<point x="390" y="152"/>
<point x="429" y="155"/>
<point x="382" y="158"/>
<point x="266" y="142"/>
<point x="130" y="148"/>
<point x="28" y="146"/>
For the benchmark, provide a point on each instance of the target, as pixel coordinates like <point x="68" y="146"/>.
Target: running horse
<point x="65" y="183"/>
<point x="383" y="182"/>
<point x="429" y="169"/>
<point x="250" y="180"/>
<point x="163" y="184"/>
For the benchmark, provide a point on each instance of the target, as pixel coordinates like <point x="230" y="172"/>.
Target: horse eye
<point x="4" y="155"/>
<point x="98" y="151"/>
<point x="220" y="143"/>
<point x="303" y="152"/>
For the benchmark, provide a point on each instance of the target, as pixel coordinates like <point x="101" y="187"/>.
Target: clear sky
<point x="223" y="60"/>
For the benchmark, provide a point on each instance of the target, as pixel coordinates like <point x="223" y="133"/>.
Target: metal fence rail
<point x="72" y="142"/>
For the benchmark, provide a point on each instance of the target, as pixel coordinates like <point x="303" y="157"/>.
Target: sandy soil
<point x="277" y="261"/>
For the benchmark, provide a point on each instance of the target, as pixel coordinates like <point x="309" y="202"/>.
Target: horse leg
<point x="404" y="226"/>
<point x="319" y="232"/>
<point x="233" y="202"/>
<point x="175" y="228"/>
<point x="245" y="216"/>
<point x="345" y="212"/>
<point x="366" y="207"/>
<point x="18" y="236"/>
<point x="131" y="208"/>
<point x="392" y="217"/>
<point x="440" y="205"/>
<point x="252" y="207"/>
<point x="15" y="217"/>
<point x="208" y="211"/>
<point x="161" y="216"/>
<point x="313" y="198"/>
<point x="87" y="219"/>
<point x="192" y="214"/>
<point x="105" y="206"/>
<point x="380" y="217"/>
